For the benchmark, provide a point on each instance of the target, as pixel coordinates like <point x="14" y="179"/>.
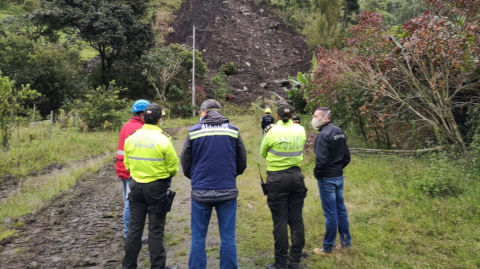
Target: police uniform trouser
<point x="144" y="199"/>
<point x="286" y="193"/>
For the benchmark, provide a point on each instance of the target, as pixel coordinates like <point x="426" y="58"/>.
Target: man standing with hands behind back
<point x="332" y="155"/>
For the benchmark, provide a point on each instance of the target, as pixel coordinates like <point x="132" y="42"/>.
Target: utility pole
<point x="193" y="75"/>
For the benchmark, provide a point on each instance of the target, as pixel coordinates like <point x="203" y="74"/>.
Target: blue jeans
<point x="331" y="194"/>
<point x="126" y="208"/>
<point x="201" y="213"/>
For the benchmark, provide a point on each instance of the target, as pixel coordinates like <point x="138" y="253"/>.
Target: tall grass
<point x="32" y="148"/>
<point x="394" y="224"/>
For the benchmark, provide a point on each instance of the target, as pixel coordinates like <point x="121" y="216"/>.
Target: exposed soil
<point x="83" y="227"/>
<point x="266" y="49"/>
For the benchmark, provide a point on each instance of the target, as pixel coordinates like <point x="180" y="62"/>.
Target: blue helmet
<point x="140" y="105"/>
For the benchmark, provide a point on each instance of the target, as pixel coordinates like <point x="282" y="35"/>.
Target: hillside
<point x="266" y="50"/>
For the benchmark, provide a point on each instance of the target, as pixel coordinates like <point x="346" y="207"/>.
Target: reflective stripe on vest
<point x="210" y="132"/>
<point x="146" y="159"/>
<point x="121" y="152"/>
<point x="286" y="154"/>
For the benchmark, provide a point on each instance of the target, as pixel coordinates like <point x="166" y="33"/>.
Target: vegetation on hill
<point x="65" y="51"/>
<point x="325" y="23"/>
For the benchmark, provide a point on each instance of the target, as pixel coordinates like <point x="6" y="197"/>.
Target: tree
<point x="11" y="99"/>
<point x="54" y="70"/>
<point x="428" y="68"/>
<point x="113" y="27"/>
<point x="171" y="65"/>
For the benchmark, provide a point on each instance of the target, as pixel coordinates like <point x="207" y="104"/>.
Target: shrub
<point x="102" y="108"/>
<point x="440" y="179"/>
<point x="220" y="87"/>
<point x="228" y="69"/>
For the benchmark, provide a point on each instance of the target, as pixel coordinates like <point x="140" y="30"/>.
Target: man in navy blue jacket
<point x="212" y="157"/>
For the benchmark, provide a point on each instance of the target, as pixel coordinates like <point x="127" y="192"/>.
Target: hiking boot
<point x="275" y="266"/>
<point x="173" y="267"/>
<point x="294" y="265"/>
<point x="321" y="251"/>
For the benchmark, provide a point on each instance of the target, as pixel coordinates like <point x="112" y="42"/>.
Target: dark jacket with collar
<point x="267" y="120"/>
<point x="331" y="151"/>
<point x="212" y="157"/>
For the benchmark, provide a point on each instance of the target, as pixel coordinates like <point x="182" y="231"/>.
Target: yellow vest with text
<point x="283" y="145"/>
<point x="150" y="155"/>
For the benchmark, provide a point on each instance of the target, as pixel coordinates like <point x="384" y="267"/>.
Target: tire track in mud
<point x="83" y="227"/>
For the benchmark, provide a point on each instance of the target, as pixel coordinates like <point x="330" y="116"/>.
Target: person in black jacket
<point x="332" y="155"/>
<point x="267" y="119"/>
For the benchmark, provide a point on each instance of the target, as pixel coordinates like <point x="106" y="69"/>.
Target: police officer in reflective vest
<point x="283" y="145"/>
<point x="152" y="162"/>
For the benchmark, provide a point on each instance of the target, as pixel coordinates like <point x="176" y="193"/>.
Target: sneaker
<point x="345" y="247"/>
<point x="144" y="239"/>
<point x="321" y="251"/>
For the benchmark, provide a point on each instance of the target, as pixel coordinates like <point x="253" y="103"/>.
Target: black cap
<point x="285" y="110"/>
<point x="210" y="104"/>
<point x="152" y="113"/>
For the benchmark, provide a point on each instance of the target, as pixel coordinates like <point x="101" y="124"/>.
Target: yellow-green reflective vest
<point x="149" y="155"/>
<point x="283" y="145"/>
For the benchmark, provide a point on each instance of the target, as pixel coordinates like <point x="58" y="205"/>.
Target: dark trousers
<point x="144" y="199"/>
<point x="286" y="193"/>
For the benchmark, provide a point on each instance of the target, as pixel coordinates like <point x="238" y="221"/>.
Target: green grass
<point x="36" y="191"/>
<point x="32" y="148"/>
<point x="393" y="223"/>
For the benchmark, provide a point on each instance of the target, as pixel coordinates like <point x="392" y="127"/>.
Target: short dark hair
<point x="285" y="111"/>
<point x="152" y="114"/>
<point x="325" y="111"/>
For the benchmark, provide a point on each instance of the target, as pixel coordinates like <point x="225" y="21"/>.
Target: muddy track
<point x="82" y="227"/>
<point x="10" y="183"/>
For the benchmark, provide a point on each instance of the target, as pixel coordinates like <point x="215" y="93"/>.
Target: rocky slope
<point x="266" y="50"/>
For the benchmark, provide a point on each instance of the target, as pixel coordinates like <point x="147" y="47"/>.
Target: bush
<point x="440" y="179"/>
<point x="102" y="108"/>
<point x="228" y="69"/>
<point x="220" y="87"/>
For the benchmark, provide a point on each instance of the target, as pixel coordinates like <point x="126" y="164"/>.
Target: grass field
<point x="393" y="223"/>
<point x="396" y="221"/>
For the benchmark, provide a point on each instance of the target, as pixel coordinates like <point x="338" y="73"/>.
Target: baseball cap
<point x="210" y="104"/>
<point x="152" y="113"/>
<point x="285" y="110"/>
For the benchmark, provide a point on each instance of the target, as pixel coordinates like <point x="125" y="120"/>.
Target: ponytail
<point x="285" y="119"/>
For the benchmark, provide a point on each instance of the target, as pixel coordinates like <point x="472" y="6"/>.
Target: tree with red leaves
<point x="428" y="69"/>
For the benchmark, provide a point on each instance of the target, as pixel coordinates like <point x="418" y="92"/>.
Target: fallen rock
<point x="274" y="25"/>
<point x="282" y="82"/>
<point x="263" y="85"/>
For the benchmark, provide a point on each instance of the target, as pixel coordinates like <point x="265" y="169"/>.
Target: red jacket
<point x="128" y="128"/>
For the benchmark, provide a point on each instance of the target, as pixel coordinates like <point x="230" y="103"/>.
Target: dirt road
<point x="82" y="227"/>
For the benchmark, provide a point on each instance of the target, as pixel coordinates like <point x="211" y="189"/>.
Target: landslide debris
<point x="265" y="49"/>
